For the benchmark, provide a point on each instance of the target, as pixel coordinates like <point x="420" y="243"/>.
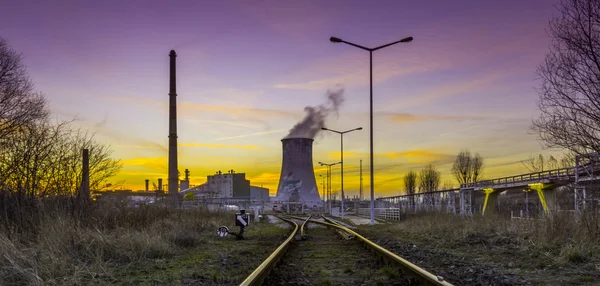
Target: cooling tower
<point x="297" y="180"/>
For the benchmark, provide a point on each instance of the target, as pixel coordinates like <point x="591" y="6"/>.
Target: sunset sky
<point x="247" y="69"/>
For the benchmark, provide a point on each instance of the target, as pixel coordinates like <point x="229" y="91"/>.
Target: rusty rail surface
<point x="302" y="229"/>
<point x="408" y="268"/>
<point x="262" y="271"/>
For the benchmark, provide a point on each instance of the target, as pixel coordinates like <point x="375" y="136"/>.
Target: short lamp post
<point x="323" y="185"/>
<point x="342" y="158"/>
<point x="329" y="180"/>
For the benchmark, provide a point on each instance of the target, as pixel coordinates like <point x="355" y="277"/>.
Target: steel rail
<point x="303" y="229"/>
<point x="417" y="271"/>
<point x="334" y="222"/>
<point x="262" y="271"/>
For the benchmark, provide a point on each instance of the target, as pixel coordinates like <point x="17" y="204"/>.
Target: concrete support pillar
<point x="546" y="194"/>
<point x="490" y="203"/>
<point x="465" y="200"/>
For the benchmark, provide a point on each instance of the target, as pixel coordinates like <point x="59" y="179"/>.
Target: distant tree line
<point x="427" y="180"/>
<point x="466" y="168"/>
<point x="39" y="157"/>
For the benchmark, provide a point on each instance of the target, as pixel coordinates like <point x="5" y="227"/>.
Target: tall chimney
<point x="85" y="173"/>
<point x="147" y="182"/>
<point x="160" y="190"/>
<point x="173" y="179"/>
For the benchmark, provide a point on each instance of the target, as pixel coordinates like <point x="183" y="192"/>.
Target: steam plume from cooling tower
<point x="315" y="117"/>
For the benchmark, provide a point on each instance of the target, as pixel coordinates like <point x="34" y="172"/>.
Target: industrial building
<point x="259" y="194"/>
<point x="228" y="185"/>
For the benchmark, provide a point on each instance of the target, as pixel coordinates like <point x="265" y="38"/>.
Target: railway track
<point x="328" y="253"/>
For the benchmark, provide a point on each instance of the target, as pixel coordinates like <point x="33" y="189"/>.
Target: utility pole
<point x="342" y="159"/>
<point x="370" y="50"/>
<point x="360" y="196"/>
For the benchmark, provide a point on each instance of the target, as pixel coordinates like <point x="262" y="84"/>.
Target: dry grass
<point x="559" y="249"/>
<point x="563" y="237"/>
<point x="55" y="247"/>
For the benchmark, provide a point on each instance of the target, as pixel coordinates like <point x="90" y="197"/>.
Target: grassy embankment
<point x="112" y="244"/>
<point x="561" y="247"/>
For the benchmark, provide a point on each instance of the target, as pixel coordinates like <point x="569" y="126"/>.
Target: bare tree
<point x="19" y="105"/>
<point x="569" y="98"/>
<point x="38" y="157"/>
<point x="447" y="185"/>
<point x="476" y="167"/>
<point x="410" y="182"/>
<point x="466" y="167"/>
<point x="45" y="159"/>
<point x="429" y="179"/>
<point x="540" y="163"/>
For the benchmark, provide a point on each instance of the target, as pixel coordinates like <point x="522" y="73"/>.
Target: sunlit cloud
<point x="354" y="76"/>
<point x="242" y="116"/>
<point x="237" y="112"/>
<point x="419" y="156"/>
<point x="268" y="180"/>
<point x="459" y="130"/>
<point x="260" y="116"/>
<point x="220" y="146"/>
<point x="147" y="163"/>
<point x="463" y="86"/>
<point x="252" y="134"/>
<point x="140" y="146"/>
<point x="347" y="154"/>
<point x="407" y="117"/>
<point x="223" y="122"/>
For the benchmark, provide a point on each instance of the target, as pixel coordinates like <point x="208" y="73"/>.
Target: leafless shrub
<point x="540" y="163"/>
<point x="410" y="182"/>
<point x="429" y="179"/>
<point x="467" y="168"/>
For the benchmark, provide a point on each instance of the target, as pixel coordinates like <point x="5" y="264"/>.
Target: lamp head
<point x="359" y="128"/>
<point x="323" y="128"/>
<point x="406" y="40"/>
<point x="336" y="40"/>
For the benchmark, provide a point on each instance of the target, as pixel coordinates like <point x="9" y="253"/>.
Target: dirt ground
<point x="481" y="259"/>
<point x="216" y="261"/>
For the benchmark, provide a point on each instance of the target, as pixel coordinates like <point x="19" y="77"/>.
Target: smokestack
<point x="173" y="179"/>
<point x="85" y="173"/>
<point x="147" y="182"/>
<point x="297" y="180"/>
<point x="160" y="189"/>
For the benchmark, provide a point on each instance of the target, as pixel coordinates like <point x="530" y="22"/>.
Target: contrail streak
<point x="251" y="134"/>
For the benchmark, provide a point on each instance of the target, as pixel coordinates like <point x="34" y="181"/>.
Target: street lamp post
<point x="329" y="180"/>
<point x="371" y="50"/>
<point x="323" y="184"/>
<point x="342" y="158"/>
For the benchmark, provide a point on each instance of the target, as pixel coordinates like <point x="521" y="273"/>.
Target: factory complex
<point x="297" y="182"/>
